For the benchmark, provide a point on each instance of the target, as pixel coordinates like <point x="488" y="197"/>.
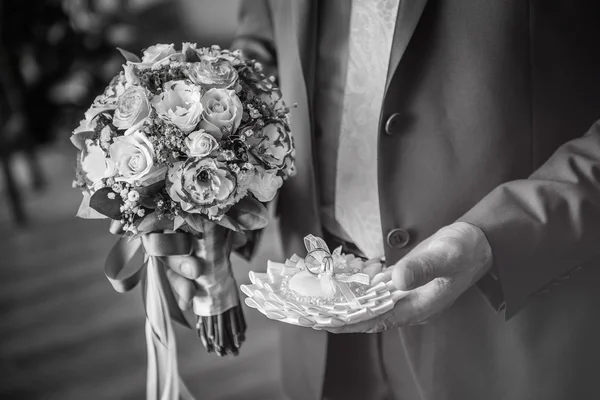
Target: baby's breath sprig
<point x="130" y="208"/>
<point x="166" y="138"/>
<point x="216" y="51"/>
<point x="165" y="207"/>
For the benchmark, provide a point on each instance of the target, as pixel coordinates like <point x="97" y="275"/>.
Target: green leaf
<point x="148" y="193"/>
<point x="191" y="55"/>
<point x="147" y="202"/>
<point x="196" y="223"/>
<point x="105" y="206"/>
<point x="87" y="212"/>
<point x="178" y="223"/>
<point x="151" y="223"/>
<point x="249" y="214"/>
<point x="151" y="190"/>
<point x="129" y="56"/>
<point x="229" y="223"/>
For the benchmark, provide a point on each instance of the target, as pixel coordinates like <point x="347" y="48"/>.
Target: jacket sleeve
<point x="546" y="226"/>
<point x="254" y="36"/>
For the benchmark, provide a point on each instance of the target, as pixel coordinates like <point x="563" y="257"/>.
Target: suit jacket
<point x="484" y="120"/>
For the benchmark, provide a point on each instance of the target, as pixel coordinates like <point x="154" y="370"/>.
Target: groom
<point x="449" y="138"/>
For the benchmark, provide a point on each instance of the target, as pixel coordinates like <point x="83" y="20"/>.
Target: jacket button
<point x="392" y="124"/>
<point x="398" y="238"/>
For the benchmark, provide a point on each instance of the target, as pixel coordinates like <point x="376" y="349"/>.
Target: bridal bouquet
<point x="180" y="151"/>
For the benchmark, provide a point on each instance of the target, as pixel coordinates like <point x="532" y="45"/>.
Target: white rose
<point x="132" y="108"/>
<point x="222" y="112"/>
<point x="180" y="104"/>
<point x="133" y="156"/>
<point x="265" y="185"/>
<point x="158" y="52"/>
<point x="200" y="144"/>
<point x="157" y="55"/>
<point x="213" y="72"/>
<point x="94" y="162"/>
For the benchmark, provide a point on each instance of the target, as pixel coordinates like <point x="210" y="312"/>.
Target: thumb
<point x="414" y="271"/>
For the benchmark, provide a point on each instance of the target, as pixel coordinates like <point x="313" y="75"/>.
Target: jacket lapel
<point x="294" y="29"/>
<point x="409" y="13"/>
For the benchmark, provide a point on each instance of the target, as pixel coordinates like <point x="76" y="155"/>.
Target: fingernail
<point x="186" y="268"/>
<point x="377" y="278"/>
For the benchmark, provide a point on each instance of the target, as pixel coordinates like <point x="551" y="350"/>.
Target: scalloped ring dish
<point x="322" y="290"/>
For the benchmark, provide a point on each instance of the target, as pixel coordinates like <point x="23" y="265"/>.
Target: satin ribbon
<point x="163" y="380"/>
<point x="327" y="266"/>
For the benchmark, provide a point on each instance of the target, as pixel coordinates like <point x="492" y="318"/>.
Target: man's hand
<point x="181" y="272"/>
<point x="206" y="272"/>
<point x="436" y="272"/>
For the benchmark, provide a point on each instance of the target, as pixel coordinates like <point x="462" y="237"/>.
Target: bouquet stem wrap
<point x="216" y="286"/>
<point x="216" y="293"/>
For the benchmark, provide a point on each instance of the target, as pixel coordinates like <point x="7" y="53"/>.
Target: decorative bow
<point x="328" y="267"/>
<point x="124" y="273"/>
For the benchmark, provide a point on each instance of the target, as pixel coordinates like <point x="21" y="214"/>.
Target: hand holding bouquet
<point x="180" y="151"/>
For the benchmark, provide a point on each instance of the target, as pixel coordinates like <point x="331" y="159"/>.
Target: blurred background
<point x="64" y="333"/>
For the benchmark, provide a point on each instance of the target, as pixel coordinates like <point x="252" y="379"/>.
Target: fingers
<point x="418" y="307"/>
<point x="186" y="266"/>
<point x="183" y="305"/>
<point x="424" y="302"/>
<point x="440" y="256"/>
<point x="183" y="289"/>
<point x="409" y="273"/>
<point x="374" y="325"/>
<point x="407" y="311"/>
<point x="383" y="276"/>
<point x="415" y="271"/>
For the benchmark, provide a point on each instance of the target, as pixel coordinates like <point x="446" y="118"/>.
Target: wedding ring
<point x="318" y="261"/>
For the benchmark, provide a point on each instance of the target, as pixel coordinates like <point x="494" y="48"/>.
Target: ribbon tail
<point x="184" y="319"/>
<point x="185" y="392"/>
<point x="163" y="380"/>
<point x="348" y="295"/>
<point x="118" y="267"/>
<point x="312" y="242"/>
<point x="152" y="373"/>
<point x="342" y="284"/>
<point x="328" y="285"/>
